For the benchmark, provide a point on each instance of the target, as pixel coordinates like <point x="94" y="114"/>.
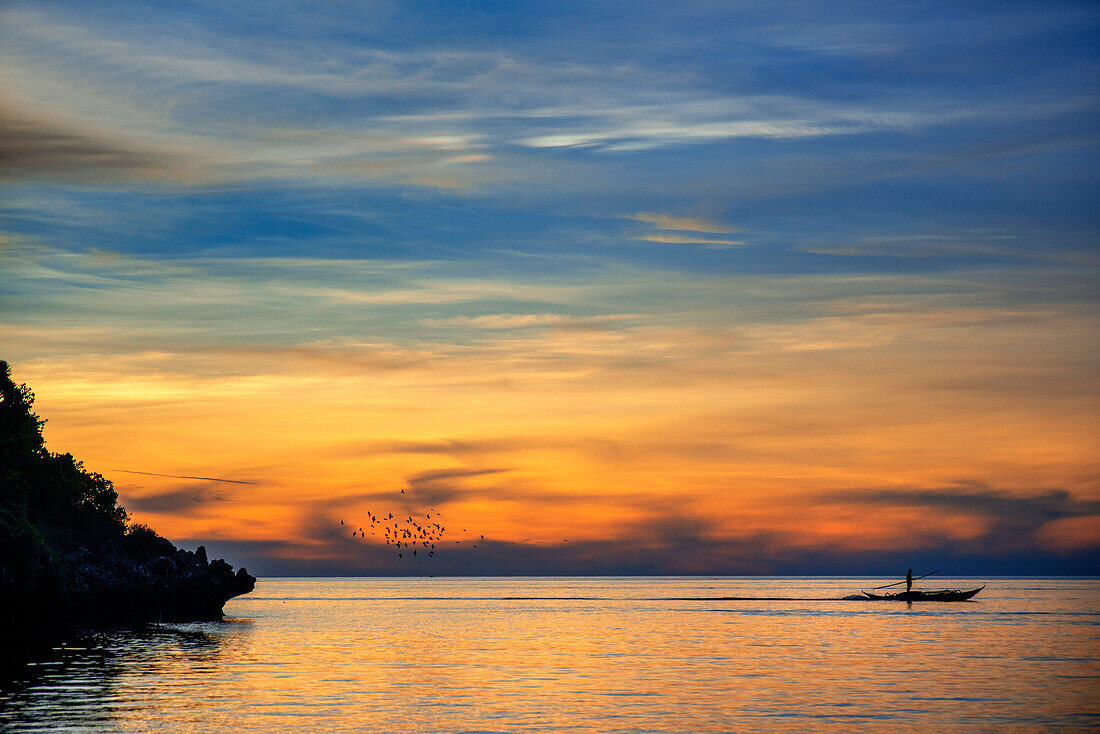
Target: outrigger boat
<point x="938" y="595"/>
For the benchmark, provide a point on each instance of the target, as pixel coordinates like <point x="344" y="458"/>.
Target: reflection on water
<point x="587" y="654"/>
<point x="94" y="681"/>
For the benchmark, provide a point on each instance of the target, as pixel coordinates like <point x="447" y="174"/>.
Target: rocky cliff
<point x="111" y="587"/>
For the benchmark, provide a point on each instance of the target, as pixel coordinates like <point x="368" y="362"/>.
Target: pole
<point x="899" y="583"/>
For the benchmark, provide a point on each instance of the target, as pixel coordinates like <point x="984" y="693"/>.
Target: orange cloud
<point x="1070" y="534"/>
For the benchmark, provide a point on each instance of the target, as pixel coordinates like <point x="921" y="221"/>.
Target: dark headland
<point x="71" y="558"/>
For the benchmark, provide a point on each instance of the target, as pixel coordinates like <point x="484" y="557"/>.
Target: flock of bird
<point x="407" y="533"/>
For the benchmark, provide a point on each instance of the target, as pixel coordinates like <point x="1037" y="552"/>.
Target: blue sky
<point x="892" y="193"/>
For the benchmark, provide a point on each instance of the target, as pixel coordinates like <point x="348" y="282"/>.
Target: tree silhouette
<point x="52" y="492"/>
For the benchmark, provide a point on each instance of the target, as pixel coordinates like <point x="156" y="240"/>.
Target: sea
<point x="585" y="654"/>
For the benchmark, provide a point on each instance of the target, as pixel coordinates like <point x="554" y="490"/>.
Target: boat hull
<point x="939" y="595"/>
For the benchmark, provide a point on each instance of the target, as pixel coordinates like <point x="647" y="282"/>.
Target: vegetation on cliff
<point x="69" y="554"/>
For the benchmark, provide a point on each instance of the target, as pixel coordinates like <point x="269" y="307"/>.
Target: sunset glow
<point x="616" y="301"/>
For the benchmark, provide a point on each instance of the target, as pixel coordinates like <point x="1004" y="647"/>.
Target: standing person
<point x="908" y="581"/>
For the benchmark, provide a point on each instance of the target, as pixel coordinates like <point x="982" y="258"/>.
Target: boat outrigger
<point x="937" y="595"/>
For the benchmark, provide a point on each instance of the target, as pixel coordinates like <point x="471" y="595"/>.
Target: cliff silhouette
<point x="71" y="557"/>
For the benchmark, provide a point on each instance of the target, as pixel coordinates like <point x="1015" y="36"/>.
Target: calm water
<point x="585" y="654"/>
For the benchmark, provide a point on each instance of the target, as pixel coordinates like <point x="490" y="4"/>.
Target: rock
<point x="115" y="584"/>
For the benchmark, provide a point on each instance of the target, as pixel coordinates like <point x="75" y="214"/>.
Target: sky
<point x="656" y="288"/>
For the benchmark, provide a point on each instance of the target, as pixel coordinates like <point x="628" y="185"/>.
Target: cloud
<point x="680" y="239"/>
<point x="690" y="224"/>
<point x="1072" y="534"/>
<point x="216" y="106"/>
<point x="108" y="107"/>
<point x="645" y="135"/>
<point x="451" y="447"/>
<point x="973" y="244"/>
<point x="1011" y="520"/>
<point x="32" y="147"/>
<point x="177" y="501"/>
<point x="1013" y="508"/>
<point x="532" y="320"/>
<point x="429" y="488"/>
<point x="696" y="230"/>
<point x="439" y="486"/>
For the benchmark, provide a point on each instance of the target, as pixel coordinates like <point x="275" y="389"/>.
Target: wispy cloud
<point x="533" y="320"/>
<point x="656" y="133"/>
<point x="690" y="224"/>
<point x="33" y="148"/>
<point x="433" y="117"/>
<point x="177" y="501"/>
<point x="684" y="231"/>
<point x="685" y="239"/>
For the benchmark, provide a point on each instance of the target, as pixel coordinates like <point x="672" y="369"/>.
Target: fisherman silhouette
<point x="908" y="581"/>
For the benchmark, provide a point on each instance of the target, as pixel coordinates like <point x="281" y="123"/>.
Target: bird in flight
<point x="405" y="533"/>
